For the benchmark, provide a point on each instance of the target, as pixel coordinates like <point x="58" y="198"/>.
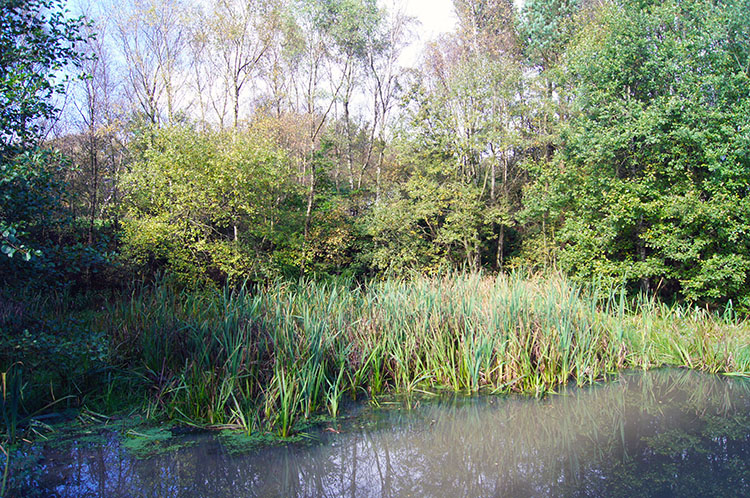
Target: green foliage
<point x="459" y="184"/>
<point x="350" y="23"/>
<point x="11" y="245"/>
<point x="335" y="238"/>
<point x="430" y="223"/>
<point x="545" y="27"/>
<point x="39" y="227"/>
<point x="651" y="185"/>
<point x="29" y="197"/>
<point x="211" y="205"/>
<point x="37" y="41"/>
<point x="343" y="28"/>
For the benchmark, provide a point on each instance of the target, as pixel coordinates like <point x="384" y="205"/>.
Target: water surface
<point x="659" y="433"/>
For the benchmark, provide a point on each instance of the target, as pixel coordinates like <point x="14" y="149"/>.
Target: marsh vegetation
<point x="262" y="358"/>
<point x="242" y="215"/>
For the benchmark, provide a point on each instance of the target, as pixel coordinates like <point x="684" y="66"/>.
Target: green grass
<point x="266" y="359"/>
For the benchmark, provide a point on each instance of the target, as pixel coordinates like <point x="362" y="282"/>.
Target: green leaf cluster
<point x="211" y="206"/>
<point x="37" y="41"/>
<point x="651" y="183"/>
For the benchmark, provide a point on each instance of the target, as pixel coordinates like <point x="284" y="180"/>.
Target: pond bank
<point x="267" y="358"/>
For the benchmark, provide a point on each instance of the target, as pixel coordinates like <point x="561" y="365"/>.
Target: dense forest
<point x="254" y="140"/>
<point x="245" y="208"/>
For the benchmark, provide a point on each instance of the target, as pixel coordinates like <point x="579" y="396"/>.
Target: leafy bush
<point x="210" y="206"/>
<point x="40" y="228"/>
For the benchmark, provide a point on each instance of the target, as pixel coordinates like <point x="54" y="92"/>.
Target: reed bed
<point x="268" y="357"/>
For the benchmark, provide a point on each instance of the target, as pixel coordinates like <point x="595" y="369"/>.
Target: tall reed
<point x="270" y="355"/>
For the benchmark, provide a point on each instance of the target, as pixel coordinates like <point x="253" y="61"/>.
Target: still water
<point x="659" y="433"/>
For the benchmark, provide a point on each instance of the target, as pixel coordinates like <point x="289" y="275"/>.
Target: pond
<point x="658" y="433"/>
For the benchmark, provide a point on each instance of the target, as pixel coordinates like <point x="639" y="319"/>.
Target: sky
<point x="435" y="16"/>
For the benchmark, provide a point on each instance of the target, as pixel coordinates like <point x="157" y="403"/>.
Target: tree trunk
<point x="95" y="186"/>
<point x="645" y="281"/>
<point x="500" y="248"/>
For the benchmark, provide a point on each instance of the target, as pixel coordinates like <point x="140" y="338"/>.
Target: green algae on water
<point x="149" y="442"/>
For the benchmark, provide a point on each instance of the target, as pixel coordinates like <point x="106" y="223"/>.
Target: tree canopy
<point x="654" y="171"/>
<point x="239" y="140"/>
<point x="37" y="42"/>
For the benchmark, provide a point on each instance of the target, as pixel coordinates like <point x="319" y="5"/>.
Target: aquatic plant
<point x="271" y="355"/>
<point x="267" y="357"/>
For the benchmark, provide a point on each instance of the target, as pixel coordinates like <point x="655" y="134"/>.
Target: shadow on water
<point x="658" y="433"/>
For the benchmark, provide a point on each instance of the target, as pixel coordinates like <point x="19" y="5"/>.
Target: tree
<point x="353" y="39"/>
<point x="545" y="28"/>
<point x="487" y="26"/>
<point x="154" y="37"/>
<point x="466" y="104"/>
<point x="385" y="72"/>
<point x="234" y="38"/>
<point x="212" y="205"/>
<point x="37" y="42"/>
<point x="93" y="137"/>
<point x="651" y="186"/>
<point x="324" y="40"/>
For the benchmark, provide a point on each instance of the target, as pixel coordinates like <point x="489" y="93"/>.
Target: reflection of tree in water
<point x="659" y="433"/>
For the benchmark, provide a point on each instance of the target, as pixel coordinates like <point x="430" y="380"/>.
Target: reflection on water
<point x="661" y="433"/>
